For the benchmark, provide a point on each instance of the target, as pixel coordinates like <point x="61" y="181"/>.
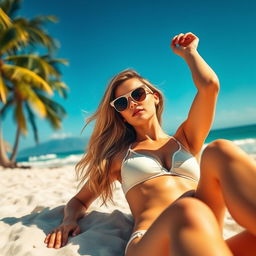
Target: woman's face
<point x="137" y="112"/>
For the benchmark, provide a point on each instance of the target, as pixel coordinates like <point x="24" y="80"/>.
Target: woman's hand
<point x="184" y="43"/>
<point x="59" y="236"/>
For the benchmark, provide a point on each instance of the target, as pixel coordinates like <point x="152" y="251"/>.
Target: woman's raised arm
<point x="196" y="127"/>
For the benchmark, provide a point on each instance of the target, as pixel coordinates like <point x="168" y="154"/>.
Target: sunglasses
<point x="139" y="94"/>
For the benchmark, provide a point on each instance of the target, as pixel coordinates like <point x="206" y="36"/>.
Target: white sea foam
<point x="245" y="141"/>
<point x="54" y="161"/>
<point x="42" y="157"/>
<point x="248" y="145"/>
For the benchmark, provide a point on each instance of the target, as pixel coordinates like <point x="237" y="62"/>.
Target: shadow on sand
<point x="102" y="234"/>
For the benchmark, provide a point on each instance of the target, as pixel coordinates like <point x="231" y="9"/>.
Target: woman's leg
<point x="242" y="244"/>
<point x="228" y="177"/>
<point x="187" y="227"/>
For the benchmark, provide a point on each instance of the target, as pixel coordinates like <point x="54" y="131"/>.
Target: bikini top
<point x="137" y="168"/>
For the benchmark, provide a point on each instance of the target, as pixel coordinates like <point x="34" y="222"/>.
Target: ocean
<point x="242" y="136"/>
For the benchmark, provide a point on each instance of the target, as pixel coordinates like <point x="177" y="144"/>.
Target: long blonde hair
<point x="110" y="136"/>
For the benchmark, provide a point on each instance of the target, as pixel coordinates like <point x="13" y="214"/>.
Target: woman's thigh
<point x="242" y="244"/>
<point x="209" y="190"/>
<point x="228" y="180"/>
<point x="157" y="240"/>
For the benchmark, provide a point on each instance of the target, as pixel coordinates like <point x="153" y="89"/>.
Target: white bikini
<point x="137" y="168"/>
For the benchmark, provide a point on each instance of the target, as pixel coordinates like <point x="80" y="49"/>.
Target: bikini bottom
<point x="136" y="234"/>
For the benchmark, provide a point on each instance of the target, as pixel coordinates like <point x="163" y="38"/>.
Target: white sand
<point x="32" y="202"/>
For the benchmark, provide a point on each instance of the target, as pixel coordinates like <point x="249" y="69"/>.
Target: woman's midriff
<point x="148" y="199"/>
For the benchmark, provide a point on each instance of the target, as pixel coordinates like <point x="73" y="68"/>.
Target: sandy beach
<point x="32" y="202"/>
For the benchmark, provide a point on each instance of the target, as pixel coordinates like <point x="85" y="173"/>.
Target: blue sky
<point x="102" y="38"/>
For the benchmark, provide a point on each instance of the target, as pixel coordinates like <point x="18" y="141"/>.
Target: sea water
<point x="242" y="136"/>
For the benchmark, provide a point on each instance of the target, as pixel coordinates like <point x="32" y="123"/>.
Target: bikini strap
<point x="180" y="145"/>
<point x="127" y="153"/>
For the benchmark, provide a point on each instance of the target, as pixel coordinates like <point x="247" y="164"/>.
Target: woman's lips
<point x="136" y="112"/>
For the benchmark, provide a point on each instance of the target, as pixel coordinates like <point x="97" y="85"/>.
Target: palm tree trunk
<point x="4" y="161"/>
<point x="15" y="147"/>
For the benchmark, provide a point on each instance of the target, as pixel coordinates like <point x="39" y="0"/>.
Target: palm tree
<point x="25" y="80"/>
<point x="19" y="83"/>
<point x="21" y="34"/>
<point x="46" y="68"/>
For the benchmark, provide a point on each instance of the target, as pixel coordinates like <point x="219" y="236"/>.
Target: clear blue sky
<point x="101" y="38"/>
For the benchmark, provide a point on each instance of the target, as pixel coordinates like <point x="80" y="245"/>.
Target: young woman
<point x="178" y="207"/>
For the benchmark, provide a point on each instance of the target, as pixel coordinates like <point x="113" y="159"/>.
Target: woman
<point x="175" y="212"/>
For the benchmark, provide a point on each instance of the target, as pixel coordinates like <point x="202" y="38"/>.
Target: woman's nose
<point x="132" y="103"/>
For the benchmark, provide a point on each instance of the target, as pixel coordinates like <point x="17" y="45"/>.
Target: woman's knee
<point x="219" y="153"/>
<point x="218" y="148"/>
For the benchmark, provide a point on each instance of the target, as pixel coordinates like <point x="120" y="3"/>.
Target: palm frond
<point x="37" y="36"/>
<point x="55" y="112"/>
<point x="41" y="20"/>
<point x="13" y="38"/>
<point x="32" y="121"/>
<point x="54" y="62"/>
<point x="56" y="107"/>
<point x="60" y="87"/>
<point x="35" y="63"/>
<point x="25" y="93"/>
<point x="37" y="104"/>
<point x="20" y="117"/>
<point x="53" y="119"/>
<point x="23" y="75"/>
<point x="3" y="89"/>
<point x="10" y="7"/>
<point x="41" y="66"/>
<point x="59" y="61"/>
<point x="5" y="21"/>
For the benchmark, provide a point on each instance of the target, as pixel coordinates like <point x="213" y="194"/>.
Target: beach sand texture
<point x="32" y="202"/>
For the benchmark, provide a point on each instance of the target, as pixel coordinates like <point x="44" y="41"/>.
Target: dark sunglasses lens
<point x="121" y="104"/>
<point x="139" y="94"/>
